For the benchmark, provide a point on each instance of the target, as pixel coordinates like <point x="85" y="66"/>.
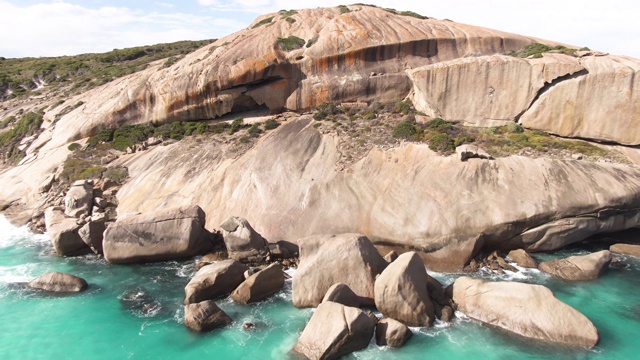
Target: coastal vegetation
<point x="290" y="43"/>
<point x="536" y="50"/>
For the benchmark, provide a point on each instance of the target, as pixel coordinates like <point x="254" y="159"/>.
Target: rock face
<point x="260" y="285"/>
<point x="79" y="199"/>
<point x="341" y="294"/>
<point x="401" y="291"/>
<point x="214" y="280"/>
<point x="243" y="243"/>
<point x="522" y="258"/>
<point x="392" y="333"/>
<point x="205" y="316"/>
<point x="58" y="282"/>
<point x="157" y="236"/>
<point x="626" y="249"/>
<point x="335" y="330"/>
<point x="63" y="232"/>
<point x="92" y="234"/>
<point x="325" y="260"/>
<point x="579" y="268"/>
<point x="528" y="310"/>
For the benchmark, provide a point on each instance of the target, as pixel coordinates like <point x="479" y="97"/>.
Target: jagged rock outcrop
<point x="214" y="280"/>
<point x="63" y="232"/>
<point x="165" y="234"/>
<point x="401" y="292"/>
<point x="326" y="260"/>
<point x="242" y="241"/>
<point x="58" y="282"/>
<point x="333" y="331"/>
<point x="293" y="176"/>
<point x="260" y="285"/>
<point x="525" y="309"/>
<point x="578" y="268"/>
<point x="205" y="316"/>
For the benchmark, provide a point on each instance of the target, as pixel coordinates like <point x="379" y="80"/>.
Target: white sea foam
<point x="11" y="235"/>
<point x="18" y="273"/>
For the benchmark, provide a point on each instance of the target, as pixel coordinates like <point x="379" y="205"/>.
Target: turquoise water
<point x="136" y="312"/>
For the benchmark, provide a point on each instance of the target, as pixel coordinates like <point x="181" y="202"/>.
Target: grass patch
<point x="412" y="14"/>
<point x="312" y="41"/>
<point x="271" y="124"/>
<point x="290" y="43"/>
<point x="344" y="9"/>
<point x="287" y="12"/>
<point x="264" y="21"/>
<point x="290" y="20"/>
<point x="536" y="50"/>
<point x="405" y="130"/>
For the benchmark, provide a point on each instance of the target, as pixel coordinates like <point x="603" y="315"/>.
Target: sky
<point x="67" y="27"/>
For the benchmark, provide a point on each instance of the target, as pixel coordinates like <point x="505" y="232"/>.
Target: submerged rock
<point x="326" y="260"/>
<point x="579" y="268"/>
<point x="161" y="235"/>
<point x="205" y="316"/>
<point x="58" y="282"/>
<point x="214" y="280"/>
<point x="525" y="309"/>
<point x="260" y="285"/>
<point x="392" y="333"/>
<point x="401" y="291"/>
<point x="335" y="330"/>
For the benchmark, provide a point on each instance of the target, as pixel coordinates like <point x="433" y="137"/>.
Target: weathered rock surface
<point x="525" y="309"/>
<point x="342" y="294"/>
<point x="566" y="201"/>
<point x="578" y="268"/>
<point x="626" y="249"/>
<point x="205" y="316"/>
<point x="260" y="285"/>
<point x="58" y="282"/>
<point x="392" y="333"/>
<point x="468" y="151"/>
<point x="522" y="258"/>
<point x="157" y="236"/>
<point x="333" y="331"/>
<point x="325" y="260"/>
<point x="401" y="291"/>
<point x="92" y="234"/>
<point x="63" y="232"/>
<point x="214" y="280"/>
<point x="79" y="199"/>
<point x="243" y="243"/>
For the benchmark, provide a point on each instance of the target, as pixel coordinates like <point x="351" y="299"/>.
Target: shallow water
<point x="135" y="311"/>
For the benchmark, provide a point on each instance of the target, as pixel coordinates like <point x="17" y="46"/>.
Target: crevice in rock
<point x="547" y="86"/>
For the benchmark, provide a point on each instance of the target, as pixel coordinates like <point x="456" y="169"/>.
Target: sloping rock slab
<point x="161" y="235"/>
<point x="626" y="249"/>
<point x="579" y="268"/>
<point x="214" y="280"/>
<point x="325" y="260"/>
<point x="58" y="282"/>
<point x="401" y="291"/>
<point x="260" y="285"/>
<point x="335" y="330"/>
<point x="205" y="316"/>
<point x="341" y="294"/>
<point x="525" y="309"/>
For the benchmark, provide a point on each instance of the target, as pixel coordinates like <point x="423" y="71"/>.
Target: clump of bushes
<point x="405" y="130"/>
<point x="441" y="143"/>
<point x="536" y="50"/>
<point x="287" y="12"/>
<point x="412" y="14"/>
<point x="263" y="22"/>
<point x="325" y="110"/>
<point x="312" y="41"/>
<point x="271" y="124"/>
<point x="290" y="43"/>
<point x="344" y="9"/>
<point x="236" y="125"/>
<point x="290" y="20"/>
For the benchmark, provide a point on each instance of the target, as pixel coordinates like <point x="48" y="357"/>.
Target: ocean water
<point x="135" y="312"/>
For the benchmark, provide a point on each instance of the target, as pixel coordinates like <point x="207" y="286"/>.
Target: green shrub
<point x="404" y="130"/>
<point x="263" y="22"/>
<point x="117" y="174"/>
<point x="6" y="121"/>
<point x="271" y="124"/>
<point x="290" y="43"/>
<point x="412" y="14"/>
<point x="74" y="146"/>
<point x="236" y="125"/>
<point x="170" y="61"/>
<point x="344" y="9"/>
<point x="201" y="128"/>
<point x="220" y="128"/>
<point x="105" y="135"/>
<point x="287" y="12"/>
<point x="324" y="110"/>
<point x="255" y="131"/>
<point x="312" y="41"/>
<point x="402" y="107"/>
<point x="441" y="143"/>
<point x="437" y="124"/>
<point x="28" y="124"/>
<point x="290" y="20"/>
<point x="162" y="131"/>
<point x="514" y="128"/>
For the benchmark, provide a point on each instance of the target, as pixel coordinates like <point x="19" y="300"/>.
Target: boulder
<point x="79" y="199"/>
<point x="341" y="294"/>
<point x="578" y="268"/>
<point x="58" y="282"/>
<point x="401" y="291"/>
<point x="468" y="151"/>
<point x="92" y="234"/>
<point x="243" y="243"/>
<point x="523" y="259"/>
<point x="161" y="235"/>
<point x="335" y="330"/>
<point x="626" y="249"/>
<point x="392" y="333"/>
<point x="214" y="280"/>
<point x="205" y="316"/>
<point x="325" y="260"/>
<point x="260" y="285"/>
<point x="100" y="202"/>
<point x="63" y="232"/>
<point x="525" y="309"/>
<point x="283" y="250"/>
